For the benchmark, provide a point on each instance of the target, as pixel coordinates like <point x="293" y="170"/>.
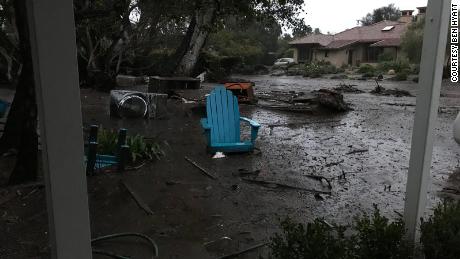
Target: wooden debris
<point x="301" y="123"/>
<point x="282" y="185"/>
<point x="246" y="172"/>
<point x="400" y="104"/>
<point x="379" y="90"/>
<point x="134" y="168"/>
<point x="310" y="102"/>
<point x="357" y="151"/>
<point x="334" y="163"/>
<point x="205" y="172"/>
<point x="345" y="88"/>
<point x="320" y="178"/>
<point x="140" y="202"/>
<point x="236" y="254"/>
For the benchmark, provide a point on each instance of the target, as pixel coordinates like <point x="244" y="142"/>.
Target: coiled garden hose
<point x="118" y="235"/>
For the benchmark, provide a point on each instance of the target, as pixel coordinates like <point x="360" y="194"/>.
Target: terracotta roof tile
<point x="337" y="44"/>
<point x="369" y="34"/>
<point x="320" y="39"/>
<point x="387" y="43"/>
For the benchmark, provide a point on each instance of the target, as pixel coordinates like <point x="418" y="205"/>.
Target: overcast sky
<point x="337" y="15"/>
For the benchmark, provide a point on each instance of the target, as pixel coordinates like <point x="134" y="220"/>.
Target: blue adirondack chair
<point x="222" y="125"/>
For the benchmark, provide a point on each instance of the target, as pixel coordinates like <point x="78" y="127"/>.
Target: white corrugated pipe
<point x="457" y="129"/>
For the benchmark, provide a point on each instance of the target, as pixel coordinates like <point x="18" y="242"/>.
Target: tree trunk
<point x="21" y="127"/>
<point x="195" y="38"/>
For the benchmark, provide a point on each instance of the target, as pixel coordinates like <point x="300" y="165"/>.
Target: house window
<point x="326" y="53"/>
<point x="304" y="54"/>
<point x="373" y="54"/>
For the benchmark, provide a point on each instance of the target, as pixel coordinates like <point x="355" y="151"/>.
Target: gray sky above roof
<point x="338" y="15"/>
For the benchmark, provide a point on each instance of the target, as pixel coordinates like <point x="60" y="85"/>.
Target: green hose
<point x="118" y="235"/>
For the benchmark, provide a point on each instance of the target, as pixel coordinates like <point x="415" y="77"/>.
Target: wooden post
<point x="433" y="51"/>
<point x="93" y="133"/>
<point x="91" y="158"/>
<point x="123" y="157"/>
<point x="54" y="56"/>
<point x="121" y="139"/>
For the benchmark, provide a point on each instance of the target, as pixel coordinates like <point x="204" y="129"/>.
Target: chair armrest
<point x="205" y="124"/>
<point x="254" y="128"/>
<point x="253" y="123"/>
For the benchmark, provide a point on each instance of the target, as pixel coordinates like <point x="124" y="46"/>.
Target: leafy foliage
<point x="314" y="241"/>
<point x="412" y="41"/>
<point x="377" y="237"/>
<point x="301" y="32"/>
<point x="401" y="76"/>
<point x="399" y="66"/>
<point x="316" y="69"/>
<point x="139" y="148"/>
<point x="390" y="12"/>
<point x="441" y="232"/>
<point x="367" y="70"/>
<point x="373" y="237"/>
<point x="141" y="36"/>
<point x="385" y="56"/>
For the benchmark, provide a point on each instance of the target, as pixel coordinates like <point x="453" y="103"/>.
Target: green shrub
<point x="373" y="237"/>
<point x="376" y="237"/>
<point x="415" y="69"/>
<point x="340" y="70"/>
<point x="385" y="57"/>
<point x="139" y="147"/>
<point x="440" y="234"/>
<point x="313" y="70"/>
<point x="367" y="70"/>
<point x="398" y="65"/>
<point x="219" y="67"/>
<point x="401" y="76"/>
<point x="345" y="66"/>
<point x="316" y="69"/>
<point x="315" y="240"/>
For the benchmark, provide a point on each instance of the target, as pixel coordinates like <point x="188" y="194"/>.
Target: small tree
<point x="390" y="12"/>
<point x="412" y="41"/>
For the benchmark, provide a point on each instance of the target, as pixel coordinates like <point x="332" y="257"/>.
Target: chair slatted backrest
<point x="223" y="116"/>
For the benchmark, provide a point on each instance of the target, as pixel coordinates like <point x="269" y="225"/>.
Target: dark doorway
<point x="350" y="57"/>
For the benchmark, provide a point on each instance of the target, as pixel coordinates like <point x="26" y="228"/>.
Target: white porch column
<point x="430" y="77"/>
<point x="52" y="36"/>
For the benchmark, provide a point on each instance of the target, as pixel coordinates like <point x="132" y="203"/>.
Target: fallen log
<point x="314" y="101"/>
<point x="282" y="185"/>
<point x="300" y="123"/>
<point x="357" y="151"/>
<point x="204" y="171"/>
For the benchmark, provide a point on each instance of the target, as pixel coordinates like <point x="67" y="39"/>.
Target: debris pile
<point x="344" y="88"/>
<point x="310" y="102"/>
<point x="379" y="90"/>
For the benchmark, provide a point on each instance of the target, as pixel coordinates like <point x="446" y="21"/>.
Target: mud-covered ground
<point x="360" y="152"/>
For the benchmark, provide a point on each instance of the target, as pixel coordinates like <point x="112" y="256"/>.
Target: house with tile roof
<point x="355" y="46"/>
